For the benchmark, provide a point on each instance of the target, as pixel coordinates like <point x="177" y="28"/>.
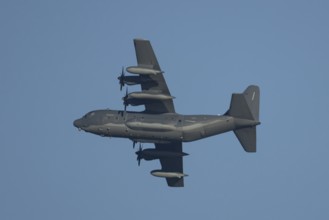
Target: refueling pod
<point x="165" y="174"/>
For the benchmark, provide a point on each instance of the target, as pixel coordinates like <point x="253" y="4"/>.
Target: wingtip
<point x="140" y="39"/>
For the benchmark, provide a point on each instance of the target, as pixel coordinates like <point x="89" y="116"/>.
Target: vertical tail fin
<point x="245" y="106"/>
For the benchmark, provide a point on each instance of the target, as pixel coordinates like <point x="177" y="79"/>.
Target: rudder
<point x="251" y="95"/>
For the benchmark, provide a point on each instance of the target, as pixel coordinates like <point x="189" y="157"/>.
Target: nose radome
<point x="77" y="123"/>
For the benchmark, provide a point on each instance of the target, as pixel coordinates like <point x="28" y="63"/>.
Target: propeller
<point x="139" y="154"/>
<point x="125" y="102"/>
<point x="134" y="143"/>
<point x="121" y="79"/>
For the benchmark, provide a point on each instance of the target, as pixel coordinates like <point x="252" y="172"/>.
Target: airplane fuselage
<point x="157" y="128"/>
<point x="159" y="123"/>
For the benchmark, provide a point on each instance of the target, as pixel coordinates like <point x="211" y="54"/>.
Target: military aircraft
<point x="161" y="125"/>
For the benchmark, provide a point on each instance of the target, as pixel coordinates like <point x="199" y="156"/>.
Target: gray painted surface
<point x="161" y="125"/>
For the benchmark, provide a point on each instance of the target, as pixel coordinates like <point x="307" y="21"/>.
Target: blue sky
<point x="60" y="59"/>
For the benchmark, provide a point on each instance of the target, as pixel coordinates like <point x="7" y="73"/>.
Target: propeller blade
<point x="121" y="79"/>
<point x="125" y="103"/>
<point x="139" y="154"/>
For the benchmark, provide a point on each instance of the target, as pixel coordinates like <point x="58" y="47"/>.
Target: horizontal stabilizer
<point x="247" y="138"/>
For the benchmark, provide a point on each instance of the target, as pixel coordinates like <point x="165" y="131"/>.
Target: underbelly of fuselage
<point x="157" y="131"/>
<point x="142" y="131"/>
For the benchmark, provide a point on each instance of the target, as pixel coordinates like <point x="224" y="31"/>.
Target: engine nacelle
<point x="148" y="95"/>
<point x="142" y="70"/>
<point x="152" y="154"/>
<point x="141" y="98"/>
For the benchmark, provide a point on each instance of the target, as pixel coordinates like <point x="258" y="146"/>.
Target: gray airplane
<point x="161" y="125"/>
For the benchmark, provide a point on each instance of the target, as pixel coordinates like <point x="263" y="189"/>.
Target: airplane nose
<point x="77" y="123"/>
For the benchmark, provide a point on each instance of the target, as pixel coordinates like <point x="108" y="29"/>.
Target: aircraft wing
<point x="172" y="164"/>
<point x="152" y="83"/>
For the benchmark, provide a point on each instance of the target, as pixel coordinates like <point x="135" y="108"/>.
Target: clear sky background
<point x="61" y="59"/>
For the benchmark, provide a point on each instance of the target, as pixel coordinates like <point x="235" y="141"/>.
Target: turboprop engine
<point x="142" y="70"/>
<point x="152" y="154"/>
<point x="132" y="80"/>
<point x="140" y="98"/>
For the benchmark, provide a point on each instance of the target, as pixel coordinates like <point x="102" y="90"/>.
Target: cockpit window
<point x="88" y="115"/>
